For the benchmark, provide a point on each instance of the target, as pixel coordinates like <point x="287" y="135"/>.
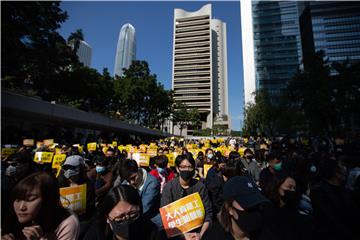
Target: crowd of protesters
<point x="261" y="188"/>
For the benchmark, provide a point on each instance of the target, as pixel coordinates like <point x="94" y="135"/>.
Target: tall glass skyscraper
<point x="333" y="27"/>
<point x="277" y="43"/>
<point x="126" y="49"/>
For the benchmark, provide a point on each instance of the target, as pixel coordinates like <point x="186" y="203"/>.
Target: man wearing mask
<point x="267" y="174"/>
<point x="185" y="185"/>
<point x="251" y="165"/>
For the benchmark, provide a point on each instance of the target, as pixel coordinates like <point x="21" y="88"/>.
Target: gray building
<point x="126" y="49"/>
<point x="199" y="77"/>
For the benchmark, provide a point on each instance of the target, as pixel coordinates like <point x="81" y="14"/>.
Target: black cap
<point x="244" y="191"/>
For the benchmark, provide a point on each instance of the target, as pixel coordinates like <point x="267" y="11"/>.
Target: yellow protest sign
<point x="58" y="160"/>
<point x="121" y="147"/>
<point x="142" y="159"/>
<point x="5" y="152"/>
<point x="152" y="152"/>
<point x="172" y="157"/>
<point x="74" y="198"/>
<point x="183" y="215"/>
<point x="48" y="142"/>
<point x="91" y="146"/>
<point x="206" y="169"/>
<point x="43" y="157"/>
<point x="28" y="142"/>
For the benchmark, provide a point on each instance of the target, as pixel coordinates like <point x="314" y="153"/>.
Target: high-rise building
<point x="84" y="52"/>
<point x="199" y="76"/>
<point x="126" y="49"/>
<point x="277" y="44"/>
<point x="333" y="27"/>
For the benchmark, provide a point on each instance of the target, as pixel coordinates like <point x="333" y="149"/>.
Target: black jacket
<point x="335" y="212"/>
<point x="142" y="229"/>
<point x="173" y="191"/>
<point x="214" y="183"/>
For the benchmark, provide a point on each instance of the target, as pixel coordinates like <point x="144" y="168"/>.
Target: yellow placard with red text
<point x="43" y="157"/>
<point x="74" y="198"/>
<point x="183" y="215"/>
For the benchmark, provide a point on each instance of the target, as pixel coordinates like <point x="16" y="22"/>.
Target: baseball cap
<point x="74" y="160"/>
<point x="244" y="191"/>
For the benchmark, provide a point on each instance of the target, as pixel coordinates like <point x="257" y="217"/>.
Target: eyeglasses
<point x="125" y="217"/>
<point x="186" y="167"/>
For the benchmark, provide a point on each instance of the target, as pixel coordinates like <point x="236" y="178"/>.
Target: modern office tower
<point x="126" y="49"/>
<point x="199" y="76"/>
<point x="277" y="44"/>
<point x="333" y="27"/>
<point x="84" y="52"/>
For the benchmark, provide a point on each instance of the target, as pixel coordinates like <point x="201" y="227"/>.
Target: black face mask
<point x="187" y="174"/>
<point x="121" y="228"/>
<point x="249" y="221"/>
<point x="289" y="198"/>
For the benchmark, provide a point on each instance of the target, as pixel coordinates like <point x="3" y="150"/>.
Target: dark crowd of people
<point x="258" y="189"/>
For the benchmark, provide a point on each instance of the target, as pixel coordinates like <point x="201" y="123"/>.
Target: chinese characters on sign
<point x="74" y="198"/>
<point x="183" y="215"/>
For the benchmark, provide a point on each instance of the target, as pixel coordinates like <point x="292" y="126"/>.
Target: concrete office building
<point x="199" y="77"/>
<point x="126" y="49"/>
<point x="84" y="52"/>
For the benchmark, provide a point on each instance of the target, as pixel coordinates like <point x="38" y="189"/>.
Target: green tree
<point x="33" y="52"/>
<point x="75" y="38"/>
<point x="183" y="116"/>
<point x="261" y="117"/>
<point x="139" y="98"/>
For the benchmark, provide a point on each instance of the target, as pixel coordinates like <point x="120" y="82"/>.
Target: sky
<point x="153" y="22"/>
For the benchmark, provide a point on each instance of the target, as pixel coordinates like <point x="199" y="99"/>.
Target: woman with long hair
<point x="37" y="212"/>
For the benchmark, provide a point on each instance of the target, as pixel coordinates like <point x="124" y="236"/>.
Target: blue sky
<point x="153" y="22"/>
